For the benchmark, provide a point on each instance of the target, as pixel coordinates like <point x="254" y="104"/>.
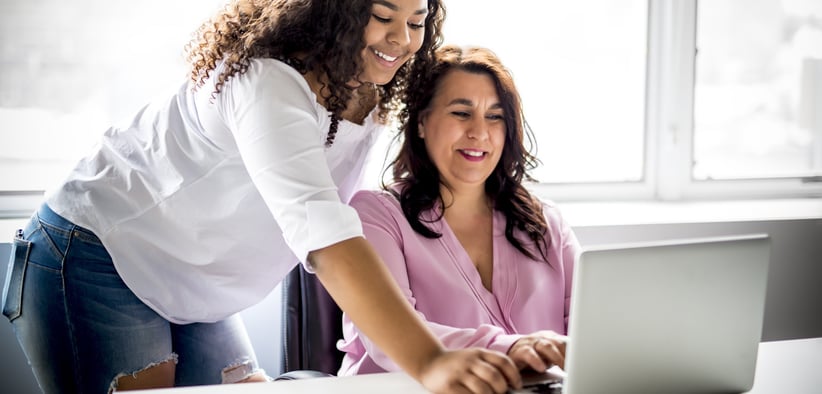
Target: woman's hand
<point x="473" y="370"/>
<point x="539" y="351"/>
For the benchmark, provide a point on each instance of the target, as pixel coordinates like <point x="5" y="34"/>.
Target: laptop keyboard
<point x="544" y="387"/>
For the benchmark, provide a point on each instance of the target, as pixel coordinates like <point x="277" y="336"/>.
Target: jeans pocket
<point x="13" y="288"/>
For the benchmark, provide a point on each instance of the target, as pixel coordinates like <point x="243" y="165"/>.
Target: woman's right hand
<point x="539" y="350"/>
<point x="472" y="370"/>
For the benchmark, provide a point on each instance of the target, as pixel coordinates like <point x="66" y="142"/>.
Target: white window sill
<point x="581" y="214"/>
<point x="588" y="214"/>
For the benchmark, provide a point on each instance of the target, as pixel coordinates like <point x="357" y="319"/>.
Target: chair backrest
<point x="312" y="325"/>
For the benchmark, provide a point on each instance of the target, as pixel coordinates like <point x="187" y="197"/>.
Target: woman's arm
<point x="275" y="123"/>
<point x="360" y="284"/>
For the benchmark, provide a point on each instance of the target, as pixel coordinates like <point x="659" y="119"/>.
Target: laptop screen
<point x="683" y="315"/>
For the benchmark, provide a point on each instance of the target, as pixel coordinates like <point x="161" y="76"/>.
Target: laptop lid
<point x="671" y="316"/>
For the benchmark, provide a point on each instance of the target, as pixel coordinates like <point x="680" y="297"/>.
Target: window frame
<point x="683" y="42"/>
<point x="669" y="128"/>
<point x="668" y="133"/>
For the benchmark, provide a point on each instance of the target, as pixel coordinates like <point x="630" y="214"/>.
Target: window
<point x="580" y="68"/>
<point x="72" y="69"/>
<point x="758" y="90"/>
<point x="624" y="108"/>
<point x="729" y="106"/>
<point x="631" y="99"/>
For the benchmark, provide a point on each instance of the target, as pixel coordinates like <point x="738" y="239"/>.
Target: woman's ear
<point x="421" y="125"/>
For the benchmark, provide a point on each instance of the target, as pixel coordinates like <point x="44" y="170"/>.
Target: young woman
<point x="132" y="272"/>
<point x="480" y="259"/>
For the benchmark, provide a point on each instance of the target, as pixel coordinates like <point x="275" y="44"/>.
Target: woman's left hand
<point x="539" y="350"/>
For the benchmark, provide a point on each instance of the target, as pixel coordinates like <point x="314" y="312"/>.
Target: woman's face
<point x="393" y="35"/>
<point x="464" y="129"/>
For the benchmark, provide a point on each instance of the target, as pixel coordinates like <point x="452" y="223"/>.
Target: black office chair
<point x="312" y="325"/>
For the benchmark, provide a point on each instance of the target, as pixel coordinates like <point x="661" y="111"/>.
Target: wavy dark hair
<point x="417" y="180"/>
<point x="326" y="34"/>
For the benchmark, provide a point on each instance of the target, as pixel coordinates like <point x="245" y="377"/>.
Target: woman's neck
<point x="461" y="203"/>
<point x="363" y="98"/>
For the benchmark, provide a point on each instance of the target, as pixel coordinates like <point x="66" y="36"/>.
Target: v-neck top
<point x="439" y="279"/>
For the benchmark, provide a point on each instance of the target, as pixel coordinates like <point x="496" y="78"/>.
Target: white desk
<point x="793" y="366"/>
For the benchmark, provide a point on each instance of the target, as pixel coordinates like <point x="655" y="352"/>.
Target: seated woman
<point x="483" y="261"/>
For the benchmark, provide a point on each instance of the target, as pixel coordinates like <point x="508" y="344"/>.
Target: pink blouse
<point x="441" y="282"/>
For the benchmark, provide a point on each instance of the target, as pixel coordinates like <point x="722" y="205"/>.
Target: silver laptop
<point x="673" y="316"/>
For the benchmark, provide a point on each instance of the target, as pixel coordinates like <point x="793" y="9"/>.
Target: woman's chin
<point x="379" y="78"/>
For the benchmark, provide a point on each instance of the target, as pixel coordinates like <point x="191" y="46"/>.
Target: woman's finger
<point x="530" y="358"/>
<point x="504" y="365"/>
<point x="552" y="351"/>
<point x="485" y="378"/>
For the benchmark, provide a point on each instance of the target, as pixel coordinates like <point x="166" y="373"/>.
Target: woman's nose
<point x="400" y="34"/>
<point x="478" y="129"/>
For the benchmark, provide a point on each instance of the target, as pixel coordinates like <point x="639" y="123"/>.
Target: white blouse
<point x="205" y="202"/>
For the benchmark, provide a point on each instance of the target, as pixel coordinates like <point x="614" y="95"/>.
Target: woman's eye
<point x="416" y="26"/>
<point x="460" y="114"/>
<point x="495" y="117"/>
<point x="381" y="19"/>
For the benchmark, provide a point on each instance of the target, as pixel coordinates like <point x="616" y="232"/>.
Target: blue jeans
<point x="82" y="328"/>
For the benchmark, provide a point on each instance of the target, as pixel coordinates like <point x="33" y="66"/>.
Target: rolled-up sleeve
<point x="275" y="121"/>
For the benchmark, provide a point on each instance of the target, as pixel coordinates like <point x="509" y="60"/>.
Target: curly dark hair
<point x="327" y="35"/>
<point x="417" y="180"/>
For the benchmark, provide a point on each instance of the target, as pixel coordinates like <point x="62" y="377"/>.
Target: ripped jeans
<point x="82" y="328"/>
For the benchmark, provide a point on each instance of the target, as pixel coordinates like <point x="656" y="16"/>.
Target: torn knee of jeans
<point x="239" y="371"/>
<point x="113" y="386"/>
